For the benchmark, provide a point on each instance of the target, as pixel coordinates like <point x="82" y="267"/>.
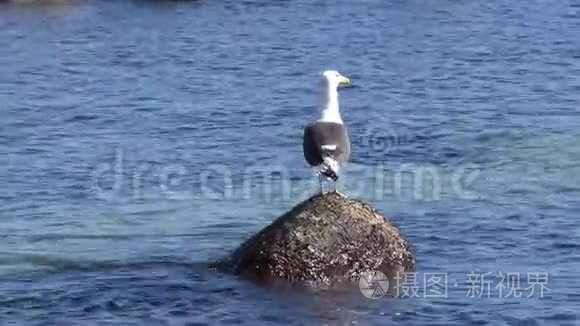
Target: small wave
<point x="60" y="236"/>
<point x="82" y="118"/>
<point x="55" y="264"/>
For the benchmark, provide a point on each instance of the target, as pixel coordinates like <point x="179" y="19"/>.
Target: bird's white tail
<point x="330" y="168"/>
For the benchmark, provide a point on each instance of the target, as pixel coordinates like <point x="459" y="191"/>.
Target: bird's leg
<point x="340" y="193"/>
<point x="334" y="185"/>
<point x="321" y="178"/>
<point x="335" y="190"/>
<point x="330" y="174"/>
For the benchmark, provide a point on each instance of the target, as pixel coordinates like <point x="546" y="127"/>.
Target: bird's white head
<point x="330" y="107"/>
<point x="333" y="79"/>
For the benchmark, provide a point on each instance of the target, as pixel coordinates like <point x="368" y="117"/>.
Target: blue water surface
<point x="140" y="140"/>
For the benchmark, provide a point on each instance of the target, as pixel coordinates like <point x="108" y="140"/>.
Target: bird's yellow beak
<point x="345" y="80"/>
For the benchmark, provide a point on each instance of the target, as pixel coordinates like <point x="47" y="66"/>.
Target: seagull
<point x="326" y="142"/>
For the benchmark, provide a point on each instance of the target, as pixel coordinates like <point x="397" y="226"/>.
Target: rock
<point x="326" y="239"/>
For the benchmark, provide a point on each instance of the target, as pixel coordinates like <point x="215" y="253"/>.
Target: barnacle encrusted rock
<point x="325" y="239"/>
